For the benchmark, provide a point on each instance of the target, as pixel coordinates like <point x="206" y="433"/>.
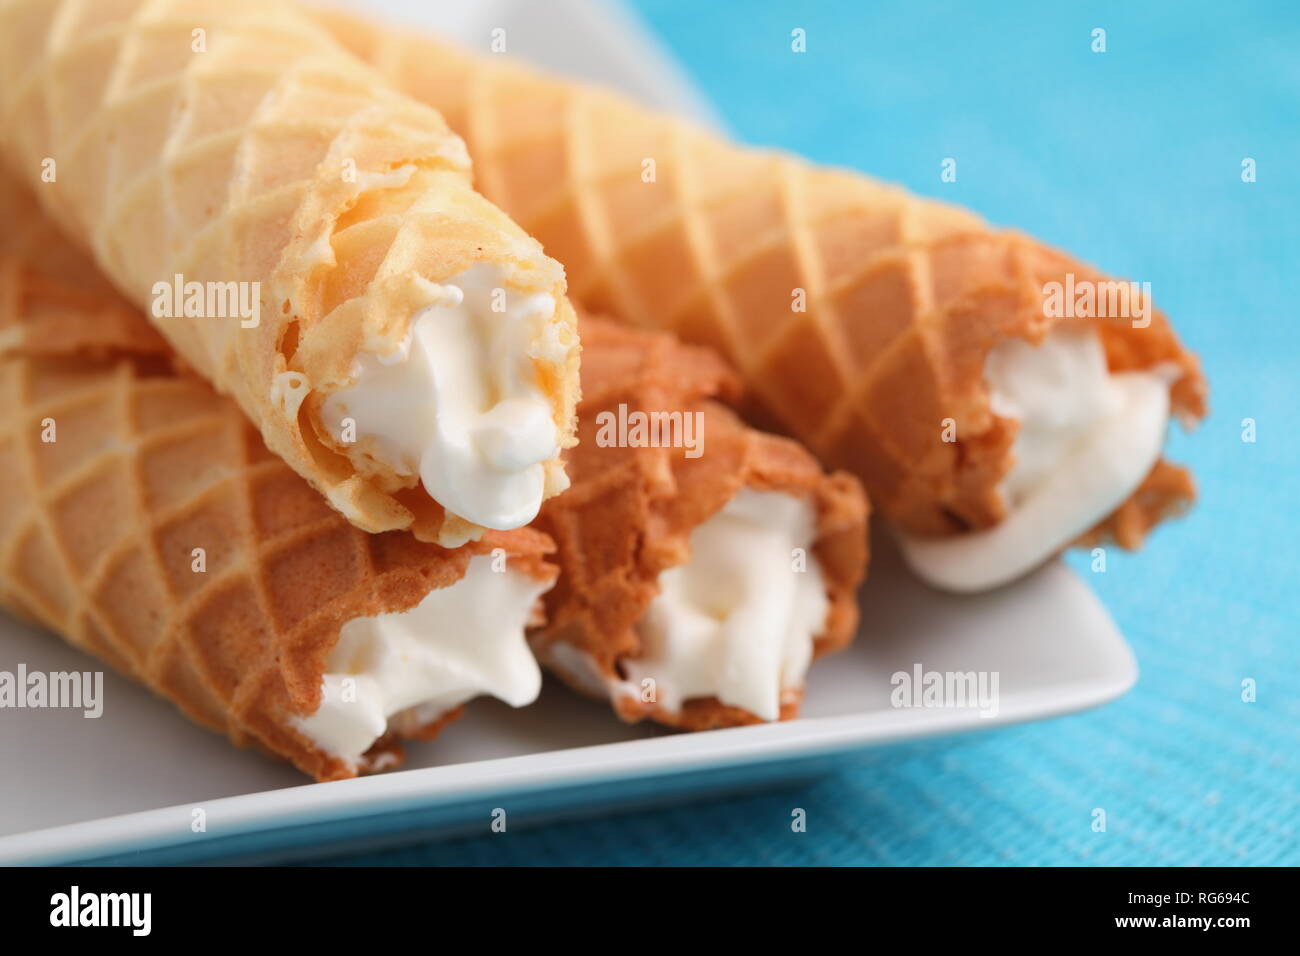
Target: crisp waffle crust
<point x="156" y="532"/>
<point x="631" y="510"/>
<point x="232" y="143"/>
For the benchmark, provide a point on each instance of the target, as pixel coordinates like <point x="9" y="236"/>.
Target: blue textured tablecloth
<point x="1131" y="158"/>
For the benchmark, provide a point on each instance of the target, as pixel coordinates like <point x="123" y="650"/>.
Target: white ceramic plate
<point x="83" y="790"/>
<point x="79" y="790"/>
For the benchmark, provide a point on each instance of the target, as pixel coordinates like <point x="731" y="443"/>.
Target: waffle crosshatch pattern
<point x="142" y="517"/>
<point x="230" y="142"/>
<point x="630" y="512"/>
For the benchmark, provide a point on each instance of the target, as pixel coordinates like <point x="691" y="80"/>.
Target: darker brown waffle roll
<point x="630" y="512"/>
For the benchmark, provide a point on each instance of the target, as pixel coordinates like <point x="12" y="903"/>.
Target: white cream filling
<point x="406" y="669"/>
<point x="459" y="403"/>
<point x="1087" y="439"/>
<point x="737" y="620"/>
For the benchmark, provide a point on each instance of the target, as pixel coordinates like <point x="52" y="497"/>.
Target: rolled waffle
<point x="231" y="147"/>
<point x="630" y="511"/>
<point x="99" y="529"/>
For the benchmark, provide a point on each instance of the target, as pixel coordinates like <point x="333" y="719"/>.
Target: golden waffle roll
<point x="858" y="315"/>
<point x="230" y="147"/>
<point x="632" y="508"/>
<point x="117" y="475"/>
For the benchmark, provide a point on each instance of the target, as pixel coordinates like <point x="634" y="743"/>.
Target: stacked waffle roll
<point x="146" y="521"/>
<point x="143" y="518"/>
<point x="999" y="399"/>
<point x="697" y="587"/>
<point x="700" y="576"/>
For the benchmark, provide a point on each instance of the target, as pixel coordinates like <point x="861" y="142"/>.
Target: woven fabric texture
<point x="1132" y="159"/>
